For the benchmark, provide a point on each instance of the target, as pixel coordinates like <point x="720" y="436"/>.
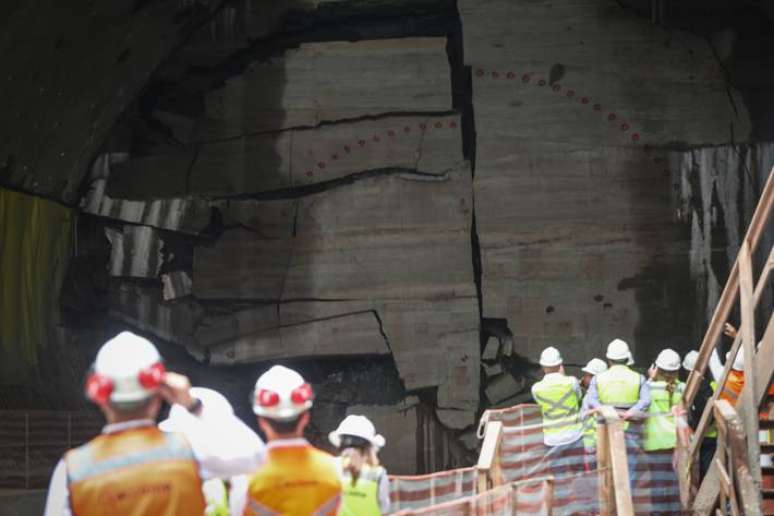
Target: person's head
<point x="358" y="444"/>
<point x="618" y="353"/>
<point x="593" y="368"/>
<point x="281" y="401"/>
<point x="551" y="360"/>
<point x="125" y="379"/>
<point x="667" y="368"/>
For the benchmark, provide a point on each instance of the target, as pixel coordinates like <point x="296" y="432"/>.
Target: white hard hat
<point x="281" y="394"/>
<point x="738" y="364"/>
<point x="357" y="426"/>
<point x="595" y="366"/>
<point x="689" y="362"/>
<point x="128" y="369"/>
<point x="550" y="357"/>
<point x="619" y="350"/>
<point x="216" y="404"/>
<point x="668" y="360"/>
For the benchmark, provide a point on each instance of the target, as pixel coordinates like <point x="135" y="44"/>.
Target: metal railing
<point x="32" y="442"/>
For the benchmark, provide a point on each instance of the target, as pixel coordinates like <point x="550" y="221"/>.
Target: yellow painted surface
<point x="35" y="247"/>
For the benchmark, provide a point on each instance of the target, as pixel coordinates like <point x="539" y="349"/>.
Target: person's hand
<point x="729" y="330"/>
<point x="176" y="388"/>
<point x="652" y="370"/>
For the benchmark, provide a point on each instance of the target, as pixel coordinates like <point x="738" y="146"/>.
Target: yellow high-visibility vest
<point x="619" y="387"/>
<point x="560" y="406"/>
<point x="362" y="497"/>
<point x="660" y="426"/>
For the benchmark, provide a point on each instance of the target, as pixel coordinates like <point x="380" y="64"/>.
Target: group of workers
<point x="649" y="406"/>
<point x="203" y="459"/>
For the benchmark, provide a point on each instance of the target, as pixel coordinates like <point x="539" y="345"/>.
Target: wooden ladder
<point x="719" y="485"/>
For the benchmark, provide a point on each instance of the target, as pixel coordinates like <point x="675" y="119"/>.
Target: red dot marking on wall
<point x="525" y="78"/>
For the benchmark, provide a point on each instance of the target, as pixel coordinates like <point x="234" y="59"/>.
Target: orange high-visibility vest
<point x="733" y="386"/>
<point x="297" y="479"/>
<point x="137" y="472"/>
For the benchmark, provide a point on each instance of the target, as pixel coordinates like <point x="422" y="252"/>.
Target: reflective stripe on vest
<point x="660" y="428"/>
<point x="619" y="387"/>
<point x="134" y="472"/>
<point x="82" y="465"/>
<point x="733" y="387"/>
<point x="296" y="479"/>
<point x="363" y="496"/>
<point x="559" y="404"/>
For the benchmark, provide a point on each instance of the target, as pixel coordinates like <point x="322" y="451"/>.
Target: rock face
<point x="574" y="102"/>
<point x="407" y="200"/>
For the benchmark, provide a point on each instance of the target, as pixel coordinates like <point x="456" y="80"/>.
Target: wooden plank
<point x="490" y="449"/>
<point x="725" y="304"/>
<point x="747" y="330"/>
<point x="618" y="462"/>
<point x="706" y="418"/>
<point x="705" y="498"/>
<point x="734" y="441"/>
<point x="604" y="469"/>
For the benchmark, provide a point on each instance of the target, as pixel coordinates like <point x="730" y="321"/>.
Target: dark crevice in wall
<point x="302" y="191"/>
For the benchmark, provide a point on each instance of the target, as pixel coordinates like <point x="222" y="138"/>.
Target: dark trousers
<point x="706" y="453"/>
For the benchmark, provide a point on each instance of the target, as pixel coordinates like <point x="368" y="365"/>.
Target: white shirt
<point x="220" y="457"/>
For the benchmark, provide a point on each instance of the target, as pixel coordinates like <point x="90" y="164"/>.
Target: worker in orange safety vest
<point x="297" y="479"/>
<point x="133" y="468"/>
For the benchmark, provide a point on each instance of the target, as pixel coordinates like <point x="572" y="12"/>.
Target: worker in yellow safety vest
<point x="592" y="369"/>
<point x="559" y="397"/>
<point x="620" y="386"/>
<point x="297" y="479"/>
<point x="666" y="391"/>
<point x="133" y="468"/>
<point x="366" y="488"/>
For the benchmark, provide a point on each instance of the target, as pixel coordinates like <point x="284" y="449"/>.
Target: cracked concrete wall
<point x="577" y="104"/>
<point x="335" y="187"/>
